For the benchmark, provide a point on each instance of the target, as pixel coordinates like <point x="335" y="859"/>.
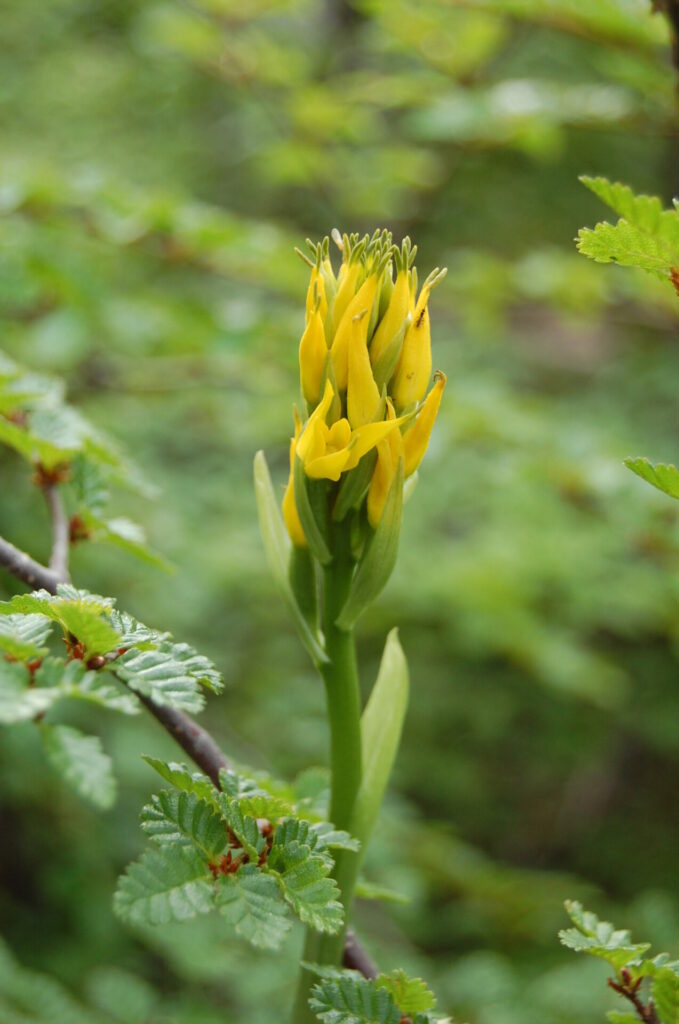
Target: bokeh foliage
<point x="159" y="163"/>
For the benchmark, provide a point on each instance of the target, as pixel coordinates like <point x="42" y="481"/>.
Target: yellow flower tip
<point x="313" y="352"/>
<point x="307" y="444"/>
<point x="414" y="369"/>
<point x="392" y="321"/>
<point x="416" y="440"/>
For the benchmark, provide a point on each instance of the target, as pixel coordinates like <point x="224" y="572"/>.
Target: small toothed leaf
<point x="304" y="881"/>
<point x="167" y="883"/>
<point x="80" y="760"/>
<point x="183" y="778"/>
<point x="18" y="701"/>
<point x="162" y="677"/>
<point x="411" y="995"/>
<point x="599" y="938"/>
<point x="251" y="902"/>
<point x="350" y="1000"/>
<point x="179" y="817"/>
<point x="664" y="477"/>
<point x="23" y="636"/>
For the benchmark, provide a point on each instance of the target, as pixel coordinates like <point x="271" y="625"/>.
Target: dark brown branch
<point x="191" y="737"/>
<point x="630" y="990"/>
<point x="61" y="541"/>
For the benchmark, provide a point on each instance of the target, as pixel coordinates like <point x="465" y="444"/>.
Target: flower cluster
<point x="365" y="367"/>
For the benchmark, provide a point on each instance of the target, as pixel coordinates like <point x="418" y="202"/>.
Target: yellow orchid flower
<point x="416" y="440"/>
<point x="327" y="452"/>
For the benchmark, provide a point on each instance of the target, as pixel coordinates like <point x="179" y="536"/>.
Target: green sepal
<point x="384" y="368"/>
<point x="379" y="559"/>
<point x="312" y="508"/>
<point x="354" y="486"/>
<point x="277" y="546"/>
<point x="381" y="727"/>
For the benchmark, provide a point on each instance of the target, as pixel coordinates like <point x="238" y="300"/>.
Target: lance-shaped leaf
<point x="312" y="511"/>
<point x="167" y="883"/>
<point x="179" y="817"/>
<point x="379" y="558"/>
<point x="277" y="546"/>
<point x="80" y="760"/>
<point x="664" y="477"/>
<point x="251" y="902"/>
<point x="381" y="727"/>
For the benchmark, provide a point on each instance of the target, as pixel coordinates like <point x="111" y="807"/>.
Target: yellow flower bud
<point x="414" y="369"/>
<point x="389" y="453"/>
<point x="397" y="311"/>
<point x="416" y="439"/>
<point x="313" y="352"/>
<point x="362" y="300"/>
<point x="363" y="396"/>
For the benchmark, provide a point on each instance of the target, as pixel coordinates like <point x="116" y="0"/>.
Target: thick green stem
<point x="340" y="676"/>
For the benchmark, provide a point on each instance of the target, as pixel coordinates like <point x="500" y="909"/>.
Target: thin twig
<point x="26" y="569"/>
<point x="191" y="737"/>
<point x="61" y="541"/>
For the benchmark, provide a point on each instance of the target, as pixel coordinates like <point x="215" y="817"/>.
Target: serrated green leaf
<point x="251" y="903"/>
<point x="599" y="938"/>
<point x="23" y="636"/>
<point x="162" y="677"/>
<point x="350" y="1000"/>
<point x="75" y="681"/>
<point x="197" y="665"/>
<point x="664" y="477"/>
<point x="18" y="701"/>
<point x="381" y="728"/>
<point x="277" y="547"/>
<point x="244" y="827"/>
<point x="184" y="779"/>
<point x="80" y="760"/>
<point x="379" y="559"/>
<point x="646" y="236"/>
<point x="180" y="817"/>
<point x="265" y="806"/>
<point x="411" y="995"/>
<point x="303" y="877"/>
<point x="168" y="883"/>
<point x="665" y="992"/>
<point x="84" y="616"/>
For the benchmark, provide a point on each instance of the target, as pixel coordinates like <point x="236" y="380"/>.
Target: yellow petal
<point x="397" y="311"/>
<point x="389" y="452"/>
<point x="346" y="288"/>
<point x="312" y="355"/>
<point x="328" y="467"/>
<point x="368" y="436"/>
<point x="417" y="438"/>
<point x="414" y="369"/>
<point x="363" y="396"/>
<point x="290" y="515"/>
<point x="362" y="300"/>
<point x="309" y="436"/>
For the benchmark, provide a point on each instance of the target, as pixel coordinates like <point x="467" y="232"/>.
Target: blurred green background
<point x="158" y="161"/>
